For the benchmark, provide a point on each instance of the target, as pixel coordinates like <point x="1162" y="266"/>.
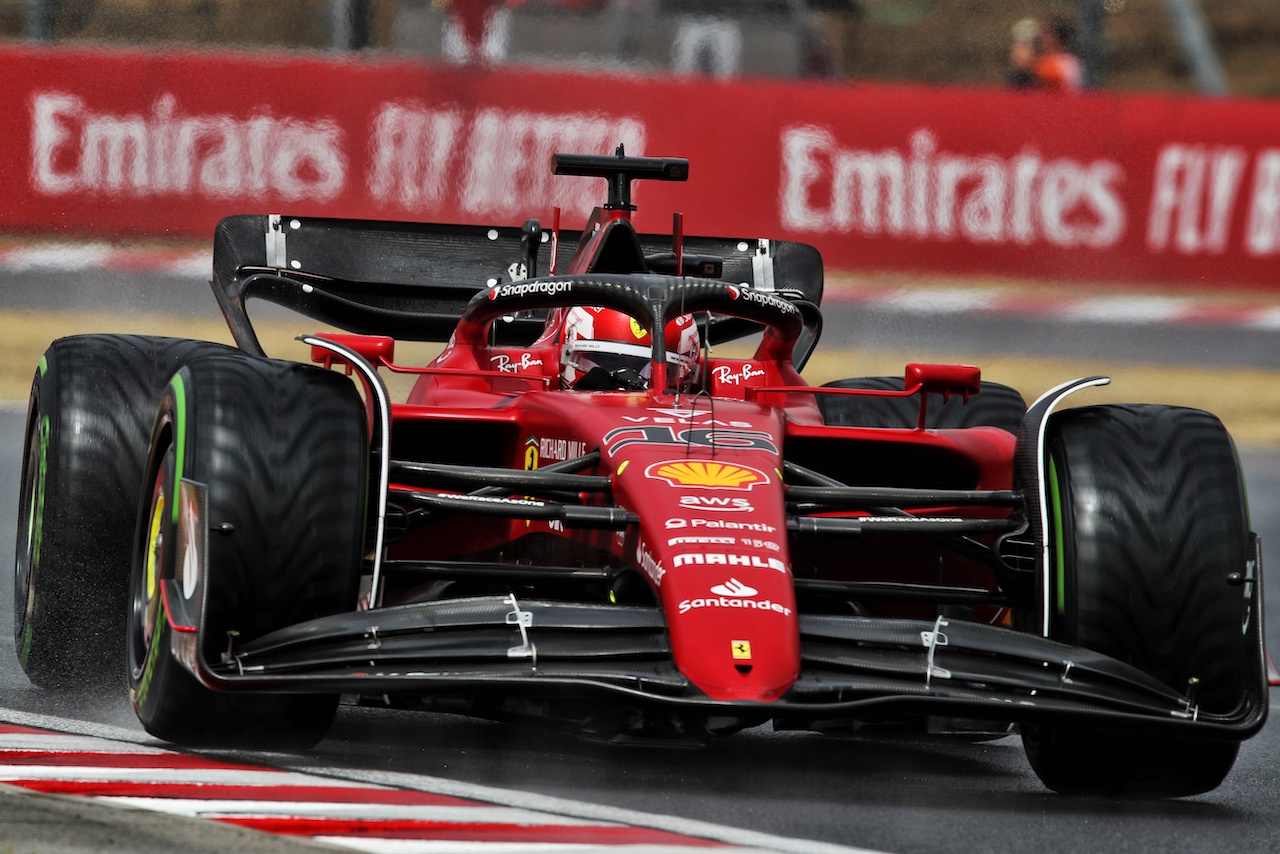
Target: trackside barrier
<point x="1096" y="187"/>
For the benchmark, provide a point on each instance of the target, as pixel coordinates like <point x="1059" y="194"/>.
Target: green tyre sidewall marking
<point x="179" y="433"/>
<point x="35" y="521"/>
<point x="155" y="649"/>
<point x="1059" y="546"/>
<point x="37" y="497"/>
<point x="26" y="646"/>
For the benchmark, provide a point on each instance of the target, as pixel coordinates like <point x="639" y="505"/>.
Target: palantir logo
<point x="734" y="587"/>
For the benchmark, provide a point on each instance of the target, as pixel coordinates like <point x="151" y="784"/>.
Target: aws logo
<point x="706" y="475"/>
<point x="716" y="503"/>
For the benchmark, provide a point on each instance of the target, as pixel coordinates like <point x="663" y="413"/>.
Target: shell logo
<point x="707" y="475"/>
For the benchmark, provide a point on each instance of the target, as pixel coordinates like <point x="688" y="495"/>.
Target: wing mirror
<point x="945" y="380"/>
<point x="374" y="349"/>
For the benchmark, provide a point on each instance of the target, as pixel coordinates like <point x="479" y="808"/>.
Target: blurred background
<point x="1116" y="210"/>
<point x="1128" y="44"/>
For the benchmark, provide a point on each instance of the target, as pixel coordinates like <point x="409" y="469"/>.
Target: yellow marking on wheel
<point x="153" y="544"/>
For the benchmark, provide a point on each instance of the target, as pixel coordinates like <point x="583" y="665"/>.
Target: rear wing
<point x="411" y="281"/>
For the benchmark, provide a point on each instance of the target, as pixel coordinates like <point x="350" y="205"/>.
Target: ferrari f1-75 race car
<point x="583" y="517"/>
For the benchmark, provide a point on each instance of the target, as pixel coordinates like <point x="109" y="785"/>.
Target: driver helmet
<point x="608" y="339"/>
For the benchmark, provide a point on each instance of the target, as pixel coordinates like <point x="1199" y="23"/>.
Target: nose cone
<point x="713" y="541"/>
<point x="733" y="624"/>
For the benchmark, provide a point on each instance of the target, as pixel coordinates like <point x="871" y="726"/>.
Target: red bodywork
<point x="704" y="475"/>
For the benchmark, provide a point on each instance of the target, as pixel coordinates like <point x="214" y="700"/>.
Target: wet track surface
<point x="898" y="796"/>
<point x="903" y="796"/>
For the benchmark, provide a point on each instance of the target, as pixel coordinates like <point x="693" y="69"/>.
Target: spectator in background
<point x="623" y="18"/>
<point x="1022" y="55"/>
<point x="1056" y="68"/>
<point x="708" y="38"/>
<point x="828" y="39"/>
<point x="477" y="30"/>
<point x="819" y="56"/>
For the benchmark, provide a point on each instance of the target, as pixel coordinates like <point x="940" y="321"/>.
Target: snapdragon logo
<point x="520" y="289"/>
<point x="747" y="294"/>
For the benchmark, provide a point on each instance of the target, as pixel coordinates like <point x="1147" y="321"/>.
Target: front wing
<point x="852" y="667"/>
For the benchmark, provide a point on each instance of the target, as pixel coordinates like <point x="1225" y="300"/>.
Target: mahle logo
<point x="707" y="475"/>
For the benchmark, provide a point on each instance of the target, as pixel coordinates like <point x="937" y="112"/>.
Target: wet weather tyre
<point x="996" y="405"/>
<point x="282" y="449"/>
<point x="1149" y="545"/>
<point x="92" y="404"/>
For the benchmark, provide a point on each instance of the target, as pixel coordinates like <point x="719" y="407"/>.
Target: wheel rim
<point x="155" y="542"/>
<point x="145" y="593"/>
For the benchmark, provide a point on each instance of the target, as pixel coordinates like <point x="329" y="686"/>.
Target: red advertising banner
<point x="1099" y="187"/>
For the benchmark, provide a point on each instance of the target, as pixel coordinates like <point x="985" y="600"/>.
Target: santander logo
<point x="734" y="587"/>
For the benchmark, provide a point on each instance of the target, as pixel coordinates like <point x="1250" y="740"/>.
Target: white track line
<point x="222" y="809"/>
<point x="444" y="846"/>
<point x="298" y="773"/>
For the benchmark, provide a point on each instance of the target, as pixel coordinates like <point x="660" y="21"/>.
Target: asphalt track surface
<point x="902" y="796"/>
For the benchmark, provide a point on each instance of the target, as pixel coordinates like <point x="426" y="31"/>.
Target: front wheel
<point x="282" y="449"/>
<point x="1151" y="562"/>
<point x="92" y="403"/>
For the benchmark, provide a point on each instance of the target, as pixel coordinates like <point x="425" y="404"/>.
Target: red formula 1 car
<point x="581" y="516"/>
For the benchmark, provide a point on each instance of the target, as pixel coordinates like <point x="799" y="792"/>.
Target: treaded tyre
<point x="92" y="403"/>
<point x="996" y="405"/>
<point x="283" y="450"/>
<point x="1148" y="520"/>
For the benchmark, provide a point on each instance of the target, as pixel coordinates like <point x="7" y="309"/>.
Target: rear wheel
<point x="283" y="451"/>
<point x="1149" y="540"/>
<point x="92" y="403"/>
<point x="996" y="405"/>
